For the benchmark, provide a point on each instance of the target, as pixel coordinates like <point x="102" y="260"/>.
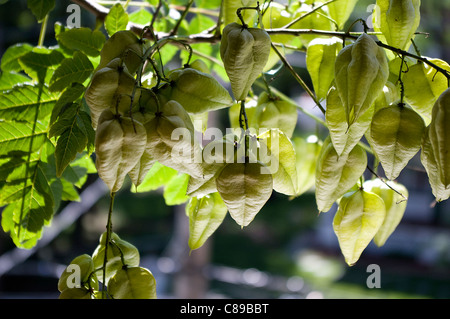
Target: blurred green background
<point x="288" y="251"/>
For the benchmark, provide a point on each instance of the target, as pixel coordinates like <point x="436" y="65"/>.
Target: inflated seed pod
<point x="394" y="196"/>
<point x="111" y="88"/>
<point x="398" y="21"/>
<point x="170" y="138"/>
<point x="197" y="91"/>
<point x="431" y="84"/>
<point x="358" y="219"/>
<point x="273" y="113"/>
<point x="119" y="144"/>
<point x="119" y="252"/>
<point x="396" y="136"/>
<point x="132" y="283"/>
<point x="361" y="71"/>
<point x="245" y="188"/>
<point x="335" y="174"/>
<point x="123" y="44"/>
<point x="85" y="265"/>
<point x="429" y="162"/>
<point x="439" y="135"/>
<point x="244" y="52"/>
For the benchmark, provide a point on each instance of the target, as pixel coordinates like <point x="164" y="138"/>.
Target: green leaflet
<point x="132" y="283"/>
<point x="344" y="138"/>
<point x="357" y="221"/>
<point x="158" y="176"/>
<point x="205" y="214"/>
<point x="282" y="163"/>
<point x="396" y="136"/>
<point x="320" y="60"/>
<point x="71" y="70"/>
<point x="175" y="190"/>
<point x="22" y="102"/>
<point x="84" y="39"/>
<point x="40" y="63"/>
<point x="40" y="8"/>
<point x="394" y="196"/>
<point x="335" y="174"/>
<point x="116" y="19"/>
<point x="21" y="137"/>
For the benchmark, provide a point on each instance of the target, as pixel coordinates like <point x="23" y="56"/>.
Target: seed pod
<point x="428" y="160"/>
<point x="320" y="61"/>
<point x="271" y="113"/>
<point x="281" y="162"/>
<point x="307" y="152"/>
<point x="75" y="293"/>
<point x="357" y="221"/>
<point x="394" y="197"/>
<point x="431" y="83"/>
<point x="341" y="10"/>
<point x="110" y="87"/>
<point x="119" y="144"/>
<point x="205" y="214"/>
<point x="361" y="72"/>
<point x="396" y="136"/>
<point x="132" y="283"/>
<point x="170" y="138"/>
<point x="344" y="138"/>
<point x="85" y="266"/>
<point x="335" y="174"/>
<point x="439" y="134"/>
<point x="123" y="44"/>
<point x="245" y="188"/>
<point x="119" y="252"/>
<point x="197" y="91"/>
<point x="244" y="52"/>
<point x="398" y="21"/>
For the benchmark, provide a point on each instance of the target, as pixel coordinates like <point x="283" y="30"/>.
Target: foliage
<point x="124" y="100"/>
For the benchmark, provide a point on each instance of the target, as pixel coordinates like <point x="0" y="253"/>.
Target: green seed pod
<point x="75" y="293"/>
<point x="271" y="113"/>
<point x="197" y="91"/>
<point x="244" y="52"/>
<point x="357" y="221"/>
<point x="394" y="196"/>
<point x="119" y="144"/>
<point x="111" y="88"/>
<point x="132" y="283"/>
<point x="320" y="61"/>
<point x="431" y="83"/>
<point x="123" y="44"/>
<point x="344" y="138"/>
<point x="341" y="10"/>
<point x="86" y="267"/>
<point x="432" y="168"/>
<point x="307" y="153"/>
<point x="361" y="71"/>
<point x="170" y="139"/>
<point x="335" y="174"/>
<point x="119" y="252"/>
<point x="396" y="136"/>
<point x="205" y="214"/>
<point x="245" y="188"/>
<point x="398" y="21"/>
<point x="439" y="134"/>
